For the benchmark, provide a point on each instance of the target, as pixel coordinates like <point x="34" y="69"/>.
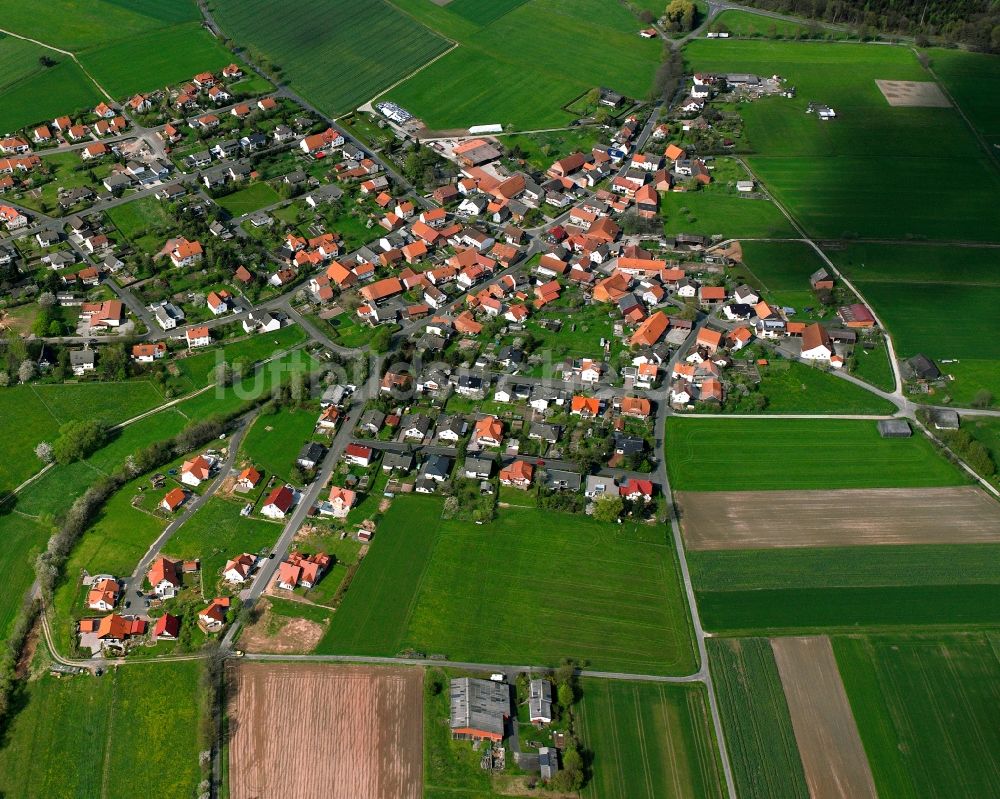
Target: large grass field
<point x="793" y="387"/>
<point x="768" y="454"/>
<point x="198" y="367"/>
<point x="62" y="89"/>
<point x="273" y="442"/>
<point x="973" y="80"/>
<point x="648" y="741"/>
<point x="553" y="51"/>
<point x="937" y="301"/>
<point x="758" y="729"/>
<point x="155" y="59"/>
<point x="252" y="198"/>
<point x="131" y="732"/>
<point x="369" y="43"/>
<point x="802" y="590"/>
<point x="710" y="213"/>
<point x="40" y="410"/>
<point x="217" y="533"/>
<point x="865" y="173"/>
<point x="782" y="270"/>
<point x="72" y="25"/>
<point x="532" y="587"/>
<point x="928" y="711"/>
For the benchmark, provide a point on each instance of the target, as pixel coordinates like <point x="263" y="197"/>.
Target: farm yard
<point x="648" y="741"/>
<point x="438" y="597"/>
<point x="761" y="519"/>
<point x="304" y="37"/>
<point x="927" y="711"/>
<point x="798" y="454"/>
<point x="84" y="736"/>
<point x="755" y="718"/>
<point x="825" y="173"/>
<point x="345" y="732"/>
<point x="526" y="83"/>
<point x="833" y="758"/>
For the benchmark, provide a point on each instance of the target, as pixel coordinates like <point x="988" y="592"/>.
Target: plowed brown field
<point x="851" y="517"/>
<point x="326" y="732"/>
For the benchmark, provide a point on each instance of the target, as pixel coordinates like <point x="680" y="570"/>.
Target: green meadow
<point x="928" y="711"/>
<point x="649" y="741"/>
<point x="89" y="736"/>
<point x="865" y="173"/>
<point x="769" y="454"/>
<point x="525" y="82"/>
<point x="619" y="606"/>
<point x="273" y="442"/>
<point x="370" y="44"/>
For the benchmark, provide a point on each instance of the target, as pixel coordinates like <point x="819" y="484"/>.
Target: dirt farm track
<point x="852" y="517"/>
<point x="325" y="732"/>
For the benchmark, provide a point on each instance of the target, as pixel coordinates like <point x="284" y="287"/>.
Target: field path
<point x="833" y="757"/>
<point x="76" y="61"/>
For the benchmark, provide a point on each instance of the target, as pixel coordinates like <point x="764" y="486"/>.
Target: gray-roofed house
<point x="599" y="486"/>
<point x="82" y="361"/>
<point x="436" y="468"/>
<point x="372" y="421"/>
<point x="479" y="709"/>
<point x="562" y="480"/>
<point x="628" y="445"/>
<point x="416" y="426"/>
<point x="540" y="431"/>
<point x="540" y="702"/>
<point x="477" y="468"/>
<point x="923" y="368"/>
<point x="548" y="762"/>
<point x="397" y="462"/>
<point x="310" y="455"/>
<point x="452" y="428"/>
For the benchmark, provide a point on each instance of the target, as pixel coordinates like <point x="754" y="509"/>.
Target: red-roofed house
<point x="213" y="618"/>
<point x="278" y="502"/>
<point x="518" y="474"/>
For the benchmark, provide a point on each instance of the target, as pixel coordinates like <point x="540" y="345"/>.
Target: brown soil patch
<point x="278" y="635"/>
<point x="23" y="666"/>
<point x="851" y="517"/>
<point x="913" y="93"/>
<point x="326" y="732"/>
<point x="832" y="755"/>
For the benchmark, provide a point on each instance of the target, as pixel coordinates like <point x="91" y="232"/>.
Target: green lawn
<point x="525" y="83"/>
<point x="907" y="285"/>
<point x="715" y="212"/>
<point x="539" y="150"/>
<point x="142" y="222"/>
<point x="273" y="443"/>
<point x="758" y="729"/>
<point x="793" y="387"/>
<point x="768" y="454"/>
<point x="782" y="270"/>
<point x="865" y="173"/>
<point x="75" y="26"/>
<point x="217" y="533"/>
<point x="199" y="366"/>
<point x="304" y="36"/>
<point x="789" y="590"/>
<point x="418" y="589"/>
<point x="252" y="198"/>
<point x="156" y="59"/>
<point x="928" y="711"/>
<point x="648" y="741"/>
<point x="86" y="736"/>
<point x="62" y="89"/>
<point x="873" y="366"/>
<point x="18" y="60"/>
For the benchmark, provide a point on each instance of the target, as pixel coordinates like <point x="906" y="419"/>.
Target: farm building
<point x="894" y="428"/>
<point x="479" y="709"/>
<point x="540" y="702"/>
<point x="944" y="419"/>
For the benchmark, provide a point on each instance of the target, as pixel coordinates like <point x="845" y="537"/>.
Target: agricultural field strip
<point x="373" y="716"/>
<point x="833" y="757"/>
<point x="838" y="518"/>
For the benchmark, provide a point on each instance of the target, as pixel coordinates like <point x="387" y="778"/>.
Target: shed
<point x="944" y="419"/>
<point x="894" y="428"/>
